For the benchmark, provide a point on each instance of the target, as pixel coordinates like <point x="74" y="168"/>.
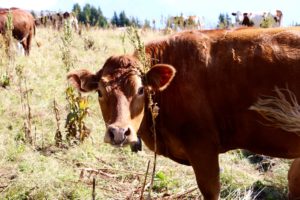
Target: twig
<point x="58" y="135"/>
<point x="122" y="171"/>
<point x="28" y="116"/>
<point x="146" y="65"/>
<point x="94" y="187"/>
<point x="154" y="113"/>
<point x="181" y="194"/>
<point x="5" y="188"/>
<point x="95" y="171"/>
<point x="146" y="174"/>
<point x="86" y="168"/>
<point x="56" y="112"/>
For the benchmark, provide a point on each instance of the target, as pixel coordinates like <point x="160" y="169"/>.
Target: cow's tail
<point x="280" y="112"/>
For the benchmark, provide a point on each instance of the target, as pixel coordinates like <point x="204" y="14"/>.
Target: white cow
<point x="258" y="19"/>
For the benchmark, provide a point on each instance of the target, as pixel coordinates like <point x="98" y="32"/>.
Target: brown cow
<point x="204" y="83"/>
<point x="294" y="180"/>
<point x="24" y="26"/>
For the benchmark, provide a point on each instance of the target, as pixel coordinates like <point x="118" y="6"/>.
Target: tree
<point x="147" y="24"/>
<point x="268" y="21"/>
<point x="102" y="22"/>
<point x="90" y="15"/>
<point x="123" y="19"/>
<point x="87" y="13"/>
<point x="33" y="13"/>
<point x="135" y="22"/>
<point x="224" y="21"/>
<point x="76" y="9"/>
<point x="115" y="20"/>
<point x="94" y="16"/>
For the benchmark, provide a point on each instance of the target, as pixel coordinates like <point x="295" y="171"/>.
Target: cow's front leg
<point x="206" y="168"/>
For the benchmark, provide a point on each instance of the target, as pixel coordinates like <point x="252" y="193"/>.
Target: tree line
<point x="90" y="15"/>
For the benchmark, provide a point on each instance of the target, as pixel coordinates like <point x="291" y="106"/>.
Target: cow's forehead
<point x="118" y="68"/>
<point x="126" y="83"/>
<point x="120" y="62"/>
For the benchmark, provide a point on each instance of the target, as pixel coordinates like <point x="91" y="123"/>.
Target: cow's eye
<point x="141" y="91"/>
<point x="99" y="93"/>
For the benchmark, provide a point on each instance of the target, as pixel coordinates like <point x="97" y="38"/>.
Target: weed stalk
<point x="9" y="54"/>
<point x="139" y="47"/>
<point x="58" y="135"/>
<point x="25" y="103"/>
<point x="78" y="105"/>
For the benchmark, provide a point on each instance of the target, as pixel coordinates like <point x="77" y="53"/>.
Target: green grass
<point x="43" y="171"/>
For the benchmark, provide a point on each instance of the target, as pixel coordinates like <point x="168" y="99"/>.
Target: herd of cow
<point x="24" y="24"/>
<point x="56" y="20"/>
<point x="257" y="19"/>
<point x="206" y="84"/>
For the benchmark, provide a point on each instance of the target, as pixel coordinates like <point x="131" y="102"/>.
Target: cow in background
<point x="23" y="26"/>
<point x="258" y="20"/>
<point x="193" y="22"/>
<point x="57" y="20"/>
<point x="45" y="19"/>
<point x="185" y="22"/>
<point x="71" y="17"/>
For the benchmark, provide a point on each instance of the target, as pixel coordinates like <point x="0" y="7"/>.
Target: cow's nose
<point x="118" y="135"/>
<point x="111" y="132"/>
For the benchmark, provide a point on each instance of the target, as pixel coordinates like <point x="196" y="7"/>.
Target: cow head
<point x="122" y="90"/>
<point x="238" y="17"/>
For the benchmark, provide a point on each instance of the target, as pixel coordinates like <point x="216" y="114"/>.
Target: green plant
<point x="78" y="105"/>
<point x="75" y="125"/>
<point x="267" y="22"/>
<point x="89" y="43"/>
<point x="139" y="46"/>
<point x="25" y="104"/>
<point x="8" y="61"/>
<point x="163" y="182"/>
<point x="67" y="39"/>
<point x="8" y="35"/>
<point x="5" y="80"/>
<point x="58" y="136"/>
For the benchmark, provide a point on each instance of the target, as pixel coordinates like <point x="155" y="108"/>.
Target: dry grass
<point x="46" y="172"/>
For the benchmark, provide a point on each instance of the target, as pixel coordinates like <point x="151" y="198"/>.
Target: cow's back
<point x="246" y="65"/>
<point x="220" y="75"/>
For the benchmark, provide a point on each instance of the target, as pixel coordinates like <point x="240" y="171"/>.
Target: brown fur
<point x="204" y="111"/>
<point x="294" y="180"/>
<point x="24" y="26"/>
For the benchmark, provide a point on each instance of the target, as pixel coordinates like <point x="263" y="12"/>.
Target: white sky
<point x="154" y="9"/>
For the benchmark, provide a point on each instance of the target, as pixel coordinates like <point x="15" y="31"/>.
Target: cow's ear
<point x="160" y="76"/>
<point x="83" y="80"/>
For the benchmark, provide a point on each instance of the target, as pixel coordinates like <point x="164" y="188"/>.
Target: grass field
<point x="44" y="171"/>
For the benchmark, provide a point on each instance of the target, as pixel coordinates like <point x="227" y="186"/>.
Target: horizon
<point x="156" y="9"/>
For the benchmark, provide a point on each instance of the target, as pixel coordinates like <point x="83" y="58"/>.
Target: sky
<point x="208" y="11"/>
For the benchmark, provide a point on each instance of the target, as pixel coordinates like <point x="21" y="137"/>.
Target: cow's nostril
<point x="111" y="133"/>
<point x="127" y="132"/>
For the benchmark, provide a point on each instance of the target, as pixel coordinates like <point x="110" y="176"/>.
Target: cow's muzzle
<point x="118" y="136"/>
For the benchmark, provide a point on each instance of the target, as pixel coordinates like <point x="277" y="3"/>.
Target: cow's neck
<point x="147" y="134"/>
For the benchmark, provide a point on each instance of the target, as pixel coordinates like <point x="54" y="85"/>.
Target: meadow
<point x="41" y="170"/>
